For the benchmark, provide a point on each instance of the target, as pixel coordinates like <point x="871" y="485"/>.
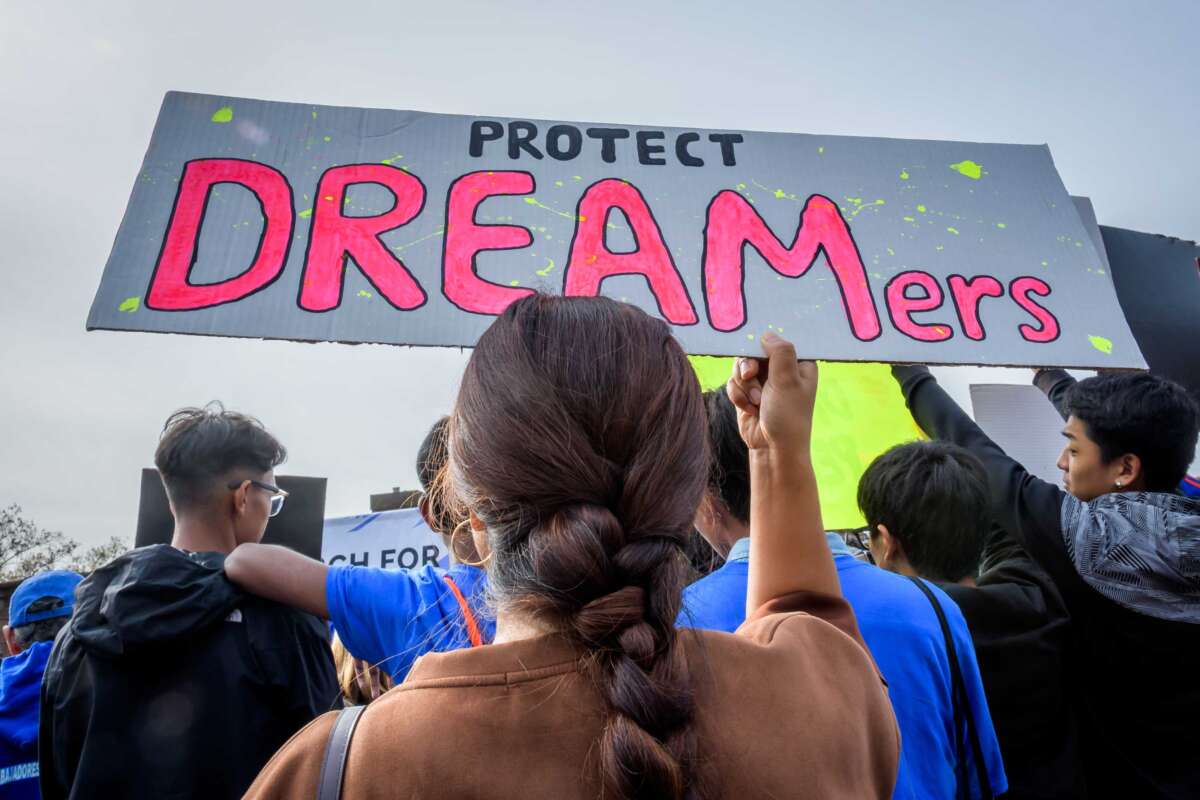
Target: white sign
<point x="387" y="539"/>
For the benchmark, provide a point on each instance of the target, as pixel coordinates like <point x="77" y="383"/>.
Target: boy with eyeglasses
<point x="169" y="681"/>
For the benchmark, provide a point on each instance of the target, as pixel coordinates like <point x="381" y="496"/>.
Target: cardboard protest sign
<point x="1158" y="283"/>
<point x="317" y="223"/>
<point x="1023" y="423"/>
<point x="297" y="526"/>
<point x="859" y="414"/>
<point x="388" y="539"/>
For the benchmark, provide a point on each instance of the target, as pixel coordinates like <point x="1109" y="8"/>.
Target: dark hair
<point x="729" y="473"/>
<point x="44" y="630"/>
<point x="933" y="497"/>
<point x="200" y="447"/>
<point x="577" y="438"/>
<point x="1151" y="417"/>
<point x="431" y="462"/>
<point x="701" y="555"/>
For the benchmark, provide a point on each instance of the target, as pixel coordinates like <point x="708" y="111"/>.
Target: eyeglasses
<point x="277" y="495"/>
<point x="861" y="539"/>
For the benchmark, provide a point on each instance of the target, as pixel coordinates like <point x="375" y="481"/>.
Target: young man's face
<point x="1085" y="474"/>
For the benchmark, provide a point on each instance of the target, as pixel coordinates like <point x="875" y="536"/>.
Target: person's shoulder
<point x="295" y="769"/>
<point x="276" y="624"/>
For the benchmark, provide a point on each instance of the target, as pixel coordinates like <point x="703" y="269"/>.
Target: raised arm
<point x="1055" y="384"/>
<point x="1025" y="506"/>
<point x="774" y="397"/>
<point x="280" y="574"/>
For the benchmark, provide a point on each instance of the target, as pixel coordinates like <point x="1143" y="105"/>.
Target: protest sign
<point x="297" y="526"/>
<point x="317" y="223"/>
<point x="859" y="414"/>
<point x="1023" y="423"/>
<point x="389" y="539"/>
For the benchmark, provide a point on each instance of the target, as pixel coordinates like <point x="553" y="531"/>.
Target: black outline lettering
<point x="978" y="302"/>
<point x="820" y="250"/>
<point x="262" y="235"/>
<point x="941" y="301"/>
<point x="474" y="265"/>
<point x="633" y="230"/>
<point x="1024" y="326"/>
<point x="346" y="253"/>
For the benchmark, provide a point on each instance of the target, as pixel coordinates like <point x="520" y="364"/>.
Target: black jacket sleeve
<point x="1024" y="506"/>
<point x="1055" y="384"/>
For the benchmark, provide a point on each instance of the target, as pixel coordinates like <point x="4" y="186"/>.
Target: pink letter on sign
<point x="170" y="289"/>
<point x="1019" y="290"/>
<point x="967" y="296"/>
<point x="733" y="223"/>
<point x="465" y="239"/>
<point x="901" y="306"/>
<point x="591" y="261"/>
<point x="334" y="237"/>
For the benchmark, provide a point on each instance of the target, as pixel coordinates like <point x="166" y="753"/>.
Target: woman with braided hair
<point x="578" y="450"/>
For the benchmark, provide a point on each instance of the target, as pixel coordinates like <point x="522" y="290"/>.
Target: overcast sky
<point x="1111" y="87"/>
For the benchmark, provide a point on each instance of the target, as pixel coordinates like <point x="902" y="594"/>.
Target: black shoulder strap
<point x="329" y="786"/>
<point x="962" y="706"/>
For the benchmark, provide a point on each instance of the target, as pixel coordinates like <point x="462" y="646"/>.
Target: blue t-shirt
<point x="902" y="631"/>
<point x="20" y="690"/>
<point x="390" y="617"/>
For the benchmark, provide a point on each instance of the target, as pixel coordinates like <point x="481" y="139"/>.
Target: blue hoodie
<point x="20" y="687"/>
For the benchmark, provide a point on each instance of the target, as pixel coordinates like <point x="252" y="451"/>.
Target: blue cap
<point x="58" y="583"/>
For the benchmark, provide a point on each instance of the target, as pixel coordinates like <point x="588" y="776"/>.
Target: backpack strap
<point x="333" y="764"/>
<point x="473" y="634"/>
<point x="962" y="706"/>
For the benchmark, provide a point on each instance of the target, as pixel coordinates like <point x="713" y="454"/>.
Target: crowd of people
<point x="644" y="603"/>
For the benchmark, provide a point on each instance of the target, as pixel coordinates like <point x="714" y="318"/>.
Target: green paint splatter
<point x="780" y="194"/>
<point x="1100" y="343"/>
<point x="952" y="230"/>
<point x="314" y="114"/>
<point x="364" y="293"/>
<point x="1045" y="263"/>
<point x="903" y="174"/>
<point x="546" y="271"/>
<point x="130" y="304"/>
<point x="921" y="208"/>
<point x="891" y="252"/>
<point x="398" y="247"/>
<point x="514" y="282"/>
<point x="533" y="201"/>
<point x="305" y="214"/>
<point x="558" y="184"/>
<point x="223" y="114"/>
<point x="1001" y="225"/>
<point x="329" y="138"/>
<point x="820" y="150"/>
<point x="968" y="168"/>
<point x="389" y="160"/>
<point x="910" y="219"/>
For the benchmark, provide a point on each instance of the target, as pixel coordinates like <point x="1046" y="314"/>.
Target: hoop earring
<point x="454" y="548"/>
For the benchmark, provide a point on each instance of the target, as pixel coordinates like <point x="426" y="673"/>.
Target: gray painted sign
<point x="316" y="223"/>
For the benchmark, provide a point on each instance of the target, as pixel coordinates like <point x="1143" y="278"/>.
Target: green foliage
<point x="26" y="548"/>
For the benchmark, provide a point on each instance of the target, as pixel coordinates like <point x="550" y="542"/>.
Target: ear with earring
<point x="454" y="548"/>
<point x="1119" y="484"/>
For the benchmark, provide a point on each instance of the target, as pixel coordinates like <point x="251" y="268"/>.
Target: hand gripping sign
<point x="313" y="223"/>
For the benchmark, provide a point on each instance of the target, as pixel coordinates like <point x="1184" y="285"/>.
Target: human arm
<point x="774" y="397"/>
<point x="1025" y="506"/>
<point x="1055" y="384"/>
<point x="280" y="574"/>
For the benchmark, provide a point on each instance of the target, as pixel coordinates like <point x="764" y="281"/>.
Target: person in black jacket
<point x="169" y="682"/>
<point x="1123" y="550"/>
<point x="928" y="512"/>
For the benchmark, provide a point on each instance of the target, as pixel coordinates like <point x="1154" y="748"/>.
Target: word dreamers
<point x="731" y="224"/>
<point x="565" y="142"/>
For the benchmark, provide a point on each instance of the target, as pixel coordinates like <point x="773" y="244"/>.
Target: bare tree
<point x="26" y="548"/>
